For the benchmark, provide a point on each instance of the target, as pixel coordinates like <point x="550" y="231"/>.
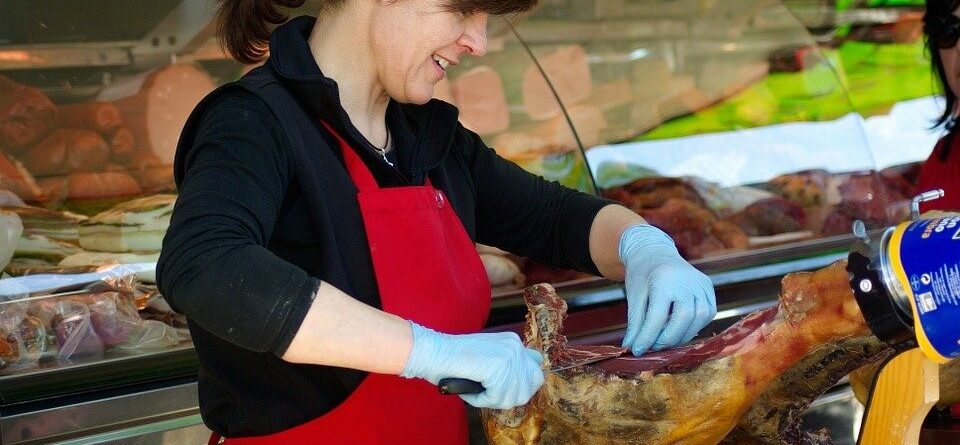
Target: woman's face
<point x="414" y="41"/>
<point x="950" y="57"/>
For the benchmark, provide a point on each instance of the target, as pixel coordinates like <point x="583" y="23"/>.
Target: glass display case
<point x="753" y="131"/>
<point x="748" y="134"/>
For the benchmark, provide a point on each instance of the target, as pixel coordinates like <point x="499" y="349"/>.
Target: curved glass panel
<point x="733" y="127"/>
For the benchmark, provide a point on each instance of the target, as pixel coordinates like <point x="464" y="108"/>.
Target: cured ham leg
<point x="695" y="394"/>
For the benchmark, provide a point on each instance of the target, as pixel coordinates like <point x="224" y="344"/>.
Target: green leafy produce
<point x="864" y="77"/>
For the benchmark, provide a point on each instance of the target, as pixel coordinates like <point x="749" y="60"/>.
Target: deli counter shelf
<point x="115" y="369"/>
<point x="723" y="269"/>
<point x="127" y="398"/>
<point x="745" y="281"/>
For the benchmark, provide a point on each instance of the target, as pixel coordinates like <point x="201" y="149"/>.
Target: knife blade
<point x="456" y="385"/>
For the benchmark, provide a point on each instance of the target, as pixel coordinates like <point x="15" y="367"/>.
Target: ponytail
<point x="244" y="26"/>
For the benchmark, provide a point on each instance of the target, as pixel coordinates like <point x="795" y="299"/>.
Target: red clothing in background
<point x="942" y="170"/>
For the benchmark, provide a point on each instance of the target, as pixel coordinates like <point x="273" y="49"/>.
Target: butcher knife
<point x="455" y="385"/>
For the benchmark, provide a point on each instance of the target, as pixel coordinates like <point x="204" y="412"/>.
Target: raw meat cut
<point x="695" y="394"/>
<point x="653" y="192"/>
<point x="774" y="418"/>
<point x="694" y="228"/>
<point x="769" y="216"/>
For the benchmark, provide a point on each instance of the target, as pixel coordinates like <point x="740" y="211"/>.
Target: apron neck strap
<point x="359" y="173"/>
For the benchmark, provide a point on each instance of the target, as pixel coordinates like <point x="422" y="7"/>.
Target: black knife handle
<point x="453" y="385"/>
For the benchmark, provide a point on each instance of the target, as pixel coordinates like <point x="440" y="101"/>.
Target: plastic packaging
<point x="24" y="344"/>
<point x="68" y="318"/>
<point x="74" y="331"/>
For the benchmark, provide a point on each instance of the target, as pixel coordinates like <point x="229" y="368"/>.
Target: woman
<point x="322" y="245"/>
<point x="942" y="169"/>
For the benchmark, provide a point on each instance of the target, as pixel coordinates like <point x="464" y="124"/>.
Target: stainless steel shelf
<point x="110" y="419"/>
<point x="182" y="28"/>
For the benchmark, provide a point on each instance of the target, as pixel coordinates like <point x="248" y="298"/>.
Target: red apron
<point x="944" y="174"/>
<point x="428" y="271"/>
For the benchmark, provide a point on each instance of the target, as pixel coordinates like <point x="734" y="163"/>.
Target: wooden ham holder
<point x="905" y="389"/>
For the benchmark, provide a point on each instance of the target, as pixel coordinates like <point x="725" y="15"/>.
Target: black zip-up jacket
<point x="258" y="225"/>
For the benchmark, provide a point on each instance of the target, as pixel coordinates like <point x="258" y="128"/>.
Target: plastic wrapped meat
<point x="73" y="327"/>
<point x="698" y="393"/>
<point x="22" y="344"/>
<point x="113" y="316"/>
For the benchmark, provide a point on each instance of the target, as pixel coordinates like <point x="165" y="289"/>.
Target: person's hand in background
<point x="509" y="372"/>
<point x="668" y="300"/>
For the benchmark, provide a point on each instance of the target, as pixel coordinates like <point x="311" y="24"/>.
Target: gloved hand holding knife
<point x="509" y="372"/>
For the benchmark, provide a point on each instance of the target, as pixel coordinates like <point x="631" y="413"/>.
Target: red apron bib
<point x="938" y="173"/>
<point x="428" y="271"/>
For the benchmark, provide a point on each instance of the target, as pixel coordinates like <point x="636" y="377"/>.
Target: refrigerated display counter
<point x="737" y="126"/>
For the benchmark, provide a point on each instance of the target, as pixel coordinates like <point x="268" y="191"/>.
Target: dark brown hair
<point x="937" y="9"/>
<point x="244" y="26"/>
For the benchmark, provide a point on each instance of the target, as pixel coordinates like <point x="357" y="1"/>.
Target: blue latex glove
<point x="668" y="300"/>
<point x="509" y="371"/>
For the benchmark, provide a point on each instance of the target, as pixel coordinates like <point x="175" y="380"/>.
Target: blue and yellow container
<point x="920" y="264"/>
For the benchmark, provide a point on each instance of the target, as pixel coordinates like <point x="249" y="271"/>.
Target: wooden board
<point x="903" y="394"/>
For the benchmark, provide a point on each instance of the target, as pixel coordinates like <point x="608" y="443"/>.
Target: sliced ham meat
<point x="569" y="73"/>
<point x="482" y="100"/>
<point x="155" y="106"/>
<point x="588" y="120"/>
<point x="775" y="361"/>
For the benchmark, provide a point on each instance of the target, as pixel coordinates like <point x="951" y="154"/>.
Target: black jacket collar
<point x="422" y="134"/>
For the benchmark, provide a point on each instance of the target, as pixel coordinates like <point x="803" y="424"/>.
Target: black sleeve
<point x="527" y="215"/>
<point x="214" y="267"/>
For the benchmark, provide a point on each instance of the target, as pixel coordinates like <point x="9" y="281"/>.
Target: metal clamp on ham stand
<point x="906" y="286"/>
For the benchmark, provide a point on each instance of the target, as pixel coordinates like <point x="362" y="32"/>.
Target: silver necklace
<point x="383" y="151"/>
